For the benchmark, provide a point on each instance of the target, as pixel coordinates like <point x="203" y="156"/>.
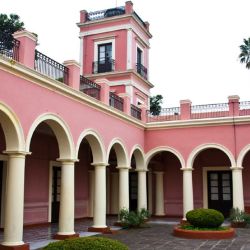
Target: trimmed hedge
<point x="205" y="218"/>
<point x="87" y="243"/>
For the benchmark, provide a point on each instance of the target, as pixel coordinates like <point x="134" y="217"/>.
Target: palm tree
<point x="245" y="52"/>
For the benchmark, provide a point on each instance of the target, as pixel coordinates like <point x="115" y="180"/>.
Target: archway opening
<point x="42" y="177"/>
<point x="165" y="195"/>
<point x="246" y="178"/>
<point x="212" y="180"/>
<point x="133" y="185"/>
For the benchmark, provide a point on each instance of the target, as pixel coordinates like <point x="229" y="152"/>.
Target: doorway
<point x="133" y="191"/>
<point x="220" y="191"/>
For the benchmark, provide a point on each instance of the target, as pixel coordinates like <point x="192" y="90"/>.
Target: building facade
<point x="77" y="141"/>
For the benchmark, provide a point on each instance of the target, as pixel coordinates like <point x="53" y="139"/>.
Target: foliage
<point x="237" y="215"/>
<point x="87" y="243"/>
<point x="155" y="104"/>
<point x="244" y="56"/>
<point x="190" y="227"/>
<point x="133" y="219"/>
<point x="205" y="218"/>
<point x="9" y="25"/>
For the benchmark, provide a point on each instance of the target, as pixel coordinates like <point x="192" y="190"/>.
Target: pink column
<point x="27" y="47"/>
<point x="143" y="113"/>
<point x="185" y="106"/>
<point x="129" y="7"/>
<point x="74" y="73"/>
<point x="234" y="105"/>
<point x="104" y="94"/>
<point x="126" y="103"/>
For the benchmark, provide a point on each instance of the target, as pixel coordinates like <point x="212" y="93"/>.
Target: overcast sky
<point x="194" y="49"/>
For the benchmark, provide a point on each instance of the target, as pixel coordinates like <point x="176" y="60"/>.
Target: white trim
<point x="242" y="155"/>
<point x="115" y="28"/>
<point x="139" y="155"/>
<point x="97" y="43"/>
<point x="204" y="178"/>
<point x="51" y="165"/>
<point x="81" y="57"/>
<point x="129" y="48"/>
<point x="129" y="91"/>
<point x="205" y="146"/>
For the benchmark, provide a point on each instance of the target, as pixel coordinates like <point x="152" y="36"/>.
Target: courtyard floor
<point x="157" y="235"/>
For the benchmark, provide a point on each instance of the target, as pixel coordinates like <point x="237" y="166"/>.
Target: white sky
<point x="194" y="49"/>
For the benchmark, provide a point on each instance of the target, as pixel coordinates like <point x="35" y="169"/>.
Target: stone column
<point x="238" y="197"/>
<point x="14" y="203"/>
<point x="67" y="201"/>
<point x="188" y="201"/>
<point x="91" y="192"/>
<point x="114" y="193"/>
<point x="142" y="189"/>
<point x="159" y="194"/>
<point x="150" y="192"/>
<point x="99" y="224"/>
<point x="123" y="187"/>
<point x="108" y="191"/>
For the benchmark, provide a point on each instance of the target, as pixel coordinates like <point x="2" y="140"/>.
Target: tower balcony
<point x="103" y="66"/>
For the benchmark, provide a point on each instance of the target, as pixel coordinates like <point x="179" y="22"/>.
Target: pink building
<point x="76" y="140"/>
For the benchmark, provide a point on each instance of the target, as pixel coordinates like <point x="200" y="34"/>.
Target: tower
<point x="114" y="45"/>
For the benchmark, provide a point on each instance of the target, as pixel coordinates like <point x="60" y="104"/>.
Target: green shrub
<point x="87" y="243"/>
<point x="133" y="219"/>
<point x="205" y="218"/>
<point x="237" y="215"/>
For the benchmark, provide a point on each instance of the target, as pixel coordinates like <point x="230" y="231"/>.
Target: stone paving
<point x="157" y="235"/>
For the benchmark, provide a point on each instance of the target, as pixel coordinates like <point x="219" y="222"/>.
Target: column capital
<point x="141" y="170"/>
<point x="16" y="153"/>
<point x="99" y="164"/>
<point x="186" y="169"/>
<point x="236" y="168"/>
<point x="123" y="167"/>
<point x="67" y="160"/>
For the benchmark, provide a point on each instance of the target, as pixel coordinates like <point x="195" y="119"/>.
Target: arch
<point x="242" y="154"/>
<point x="61" y="131"/>
<point x="202" y="147"/>
<point x="12" y="129"/>
<point x="157" y="150"/>
<point x="120" y="150"/>
<point x="96" y="145"/>
<point x="138" y="153"/>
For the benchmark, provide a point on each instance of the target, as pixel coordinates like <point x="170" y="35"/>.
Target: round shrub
<point x="87" y="243"/>
<point x="205" y="218"/>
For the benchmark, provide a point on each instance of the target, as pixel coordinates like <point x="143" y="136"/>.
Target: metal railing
<point x="90" y="88"/>
<point x="209" y="110"/>
<point x="103" y="66"/>
<point x="244" y="108"/>
<point x="166" y="114"/>
<point x="115" y="101"/>
<point x="10" y="49"/>
<point x="100" y="14"/>
<point x="143" y="71"/>
<point x="135" y="111"/>
<point x="47" y="66"/>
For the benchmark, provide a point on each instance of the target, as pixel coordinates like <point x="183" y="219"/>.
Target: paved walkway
<point x="157" y="235"/>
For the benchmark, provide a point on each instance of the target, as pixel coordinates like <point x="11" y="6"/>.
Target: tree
<point x="155" y="104"/>
<point x="9" y="25"/>
<point x="245" y="52"/>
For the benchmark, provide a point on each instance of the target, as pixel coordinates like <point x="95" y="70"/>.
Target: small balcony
<point x="115" y="101"/>
<point x="103" y="66"/>
<point x="10" y="49"/>
<point x="135" y="112"/>
<point x="90" y="88"/>
<point x="141" y="70"/>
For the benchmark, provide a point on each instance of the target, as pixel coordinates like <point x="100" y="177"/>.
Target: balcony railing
<point x="103" y="66"/>
<point x="244" y="108"/>
<point x="166" y="114"/>
<point x="143" y="71"/>
<point x="115" y="101"/>
<point x="100" y="14"/>
<point x="90" y="88"/>
<point x="51" y="68"/>
<point x="10" y="49"/>
<point x="135" y="111"/>
<point x="209" y="111"/>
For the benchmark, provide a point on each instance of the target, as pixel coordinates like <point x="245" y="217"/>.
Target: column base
<point x="64" y="237"/>
<point x="18" y="247"/>
<point x="104" y="230"/>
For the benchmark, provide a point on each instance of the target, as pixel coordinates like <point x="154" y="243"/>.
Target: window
<point x="139" y="56"/>
<point x="105" y="61"/>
